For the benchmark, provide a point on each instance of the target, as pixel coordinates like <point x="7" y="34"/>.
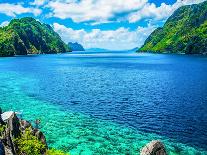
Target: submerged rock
<point x="155" y="147"/>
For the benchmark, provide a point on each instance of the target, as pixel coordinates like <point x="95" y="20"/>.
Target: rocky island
<point x="75" y="46"/>
<point x="184" y="32"/>
<point x="29" y="36"/>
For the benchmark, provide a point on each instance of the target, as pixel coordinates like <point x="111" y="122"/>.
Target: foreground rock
<point x="13" y="128"/>
<point x="155" y="147"/>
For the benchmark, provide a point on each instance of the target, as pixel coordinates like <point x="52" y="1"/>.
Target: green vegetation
<point x="29" y="144"/>
<point x="55" y="152"/>
<point x="2" y="129"/>
<point x="28" y="36"/>
<point x="184" y="32"/>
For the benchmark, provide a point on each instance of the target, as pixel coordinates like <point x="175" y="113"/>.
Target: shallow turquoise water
<point x="72" y="130"/>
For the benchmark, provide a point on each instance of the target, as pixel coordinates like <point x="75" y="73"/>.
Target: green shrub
<point x="2" y="128"/>
<point x="55" y="152"/>
<point x="29" y="144"/>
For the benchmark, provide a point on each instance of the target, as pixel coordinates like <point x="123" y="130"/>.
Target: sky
<point x="109" y="24"/>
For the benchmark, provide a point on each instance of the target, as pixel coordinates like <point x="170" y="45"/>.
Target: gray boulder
<point x="40" y="136"/>
<point x="155" y="147"/>
<point x="36" y="132"/>
<point x="12" y="131"/>
<point x="24" y="125"/>
<point x="14" y="126"/>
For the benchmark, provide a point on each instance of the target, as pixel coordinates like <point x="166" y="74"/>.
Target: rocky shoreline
<point x="13" y="128"/>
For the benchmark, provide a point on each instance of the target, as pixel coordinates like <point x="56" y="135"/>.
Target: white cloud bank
<point x="17" y="9"/>
<point x="118" y="39"/>
<point x="92" y="10"/>
<point x="102" y="11"/>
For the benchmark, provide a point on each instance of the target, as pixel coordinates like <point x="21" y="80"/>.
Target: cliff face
<point x="184" y="32"/>
<point x="28" y="36"/>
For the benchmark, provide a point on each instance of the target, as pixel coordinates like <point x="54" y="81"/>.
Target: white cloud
<point x="118" y="39"/>
<point x="5" y="23"/>
<point x="16" y="9"/>
<point x="38" y="2"/>
<point x="101" y="11"/>
<point x="92" y="10"/>
<point x="150" y="10"/>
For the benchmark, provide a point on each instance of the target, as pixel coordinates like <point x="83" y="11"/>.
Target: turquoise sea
<point x="111" y="102"/>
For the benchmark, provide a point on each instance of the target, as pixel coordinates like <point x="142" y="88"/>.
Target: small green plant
<point x="55" y="152"/>
<point x="2" y="129"/>
<point x="29" y="144"/>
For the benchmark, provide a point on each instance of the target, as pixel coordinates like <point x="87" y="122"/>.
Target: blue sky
<point x="111" y="24"/>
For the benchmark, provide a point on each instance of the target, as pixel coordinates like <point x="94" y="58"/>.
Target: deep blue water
<point x="161" y="94"/>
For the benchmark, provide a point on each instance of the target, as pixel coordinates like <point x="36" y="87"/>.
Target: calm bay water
<point x="111" y="103"/>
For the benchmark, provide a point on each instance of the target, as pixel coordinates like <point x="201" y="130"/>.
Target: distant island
<point x="184" y="32"/>
<point x="133" y="49"/>
<point x="97" y="50"/>
<point x="29" y="36"/>
<point x="75" y="46"/>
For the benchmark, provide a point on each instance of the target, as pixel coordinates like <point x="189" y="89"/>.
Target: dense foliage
<point x="75" y="46"/>
<point x="29" y="144"/>
<point x="28" y="36"/>
<point x="184" y="32"/>
<point x="55" y="152"/>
